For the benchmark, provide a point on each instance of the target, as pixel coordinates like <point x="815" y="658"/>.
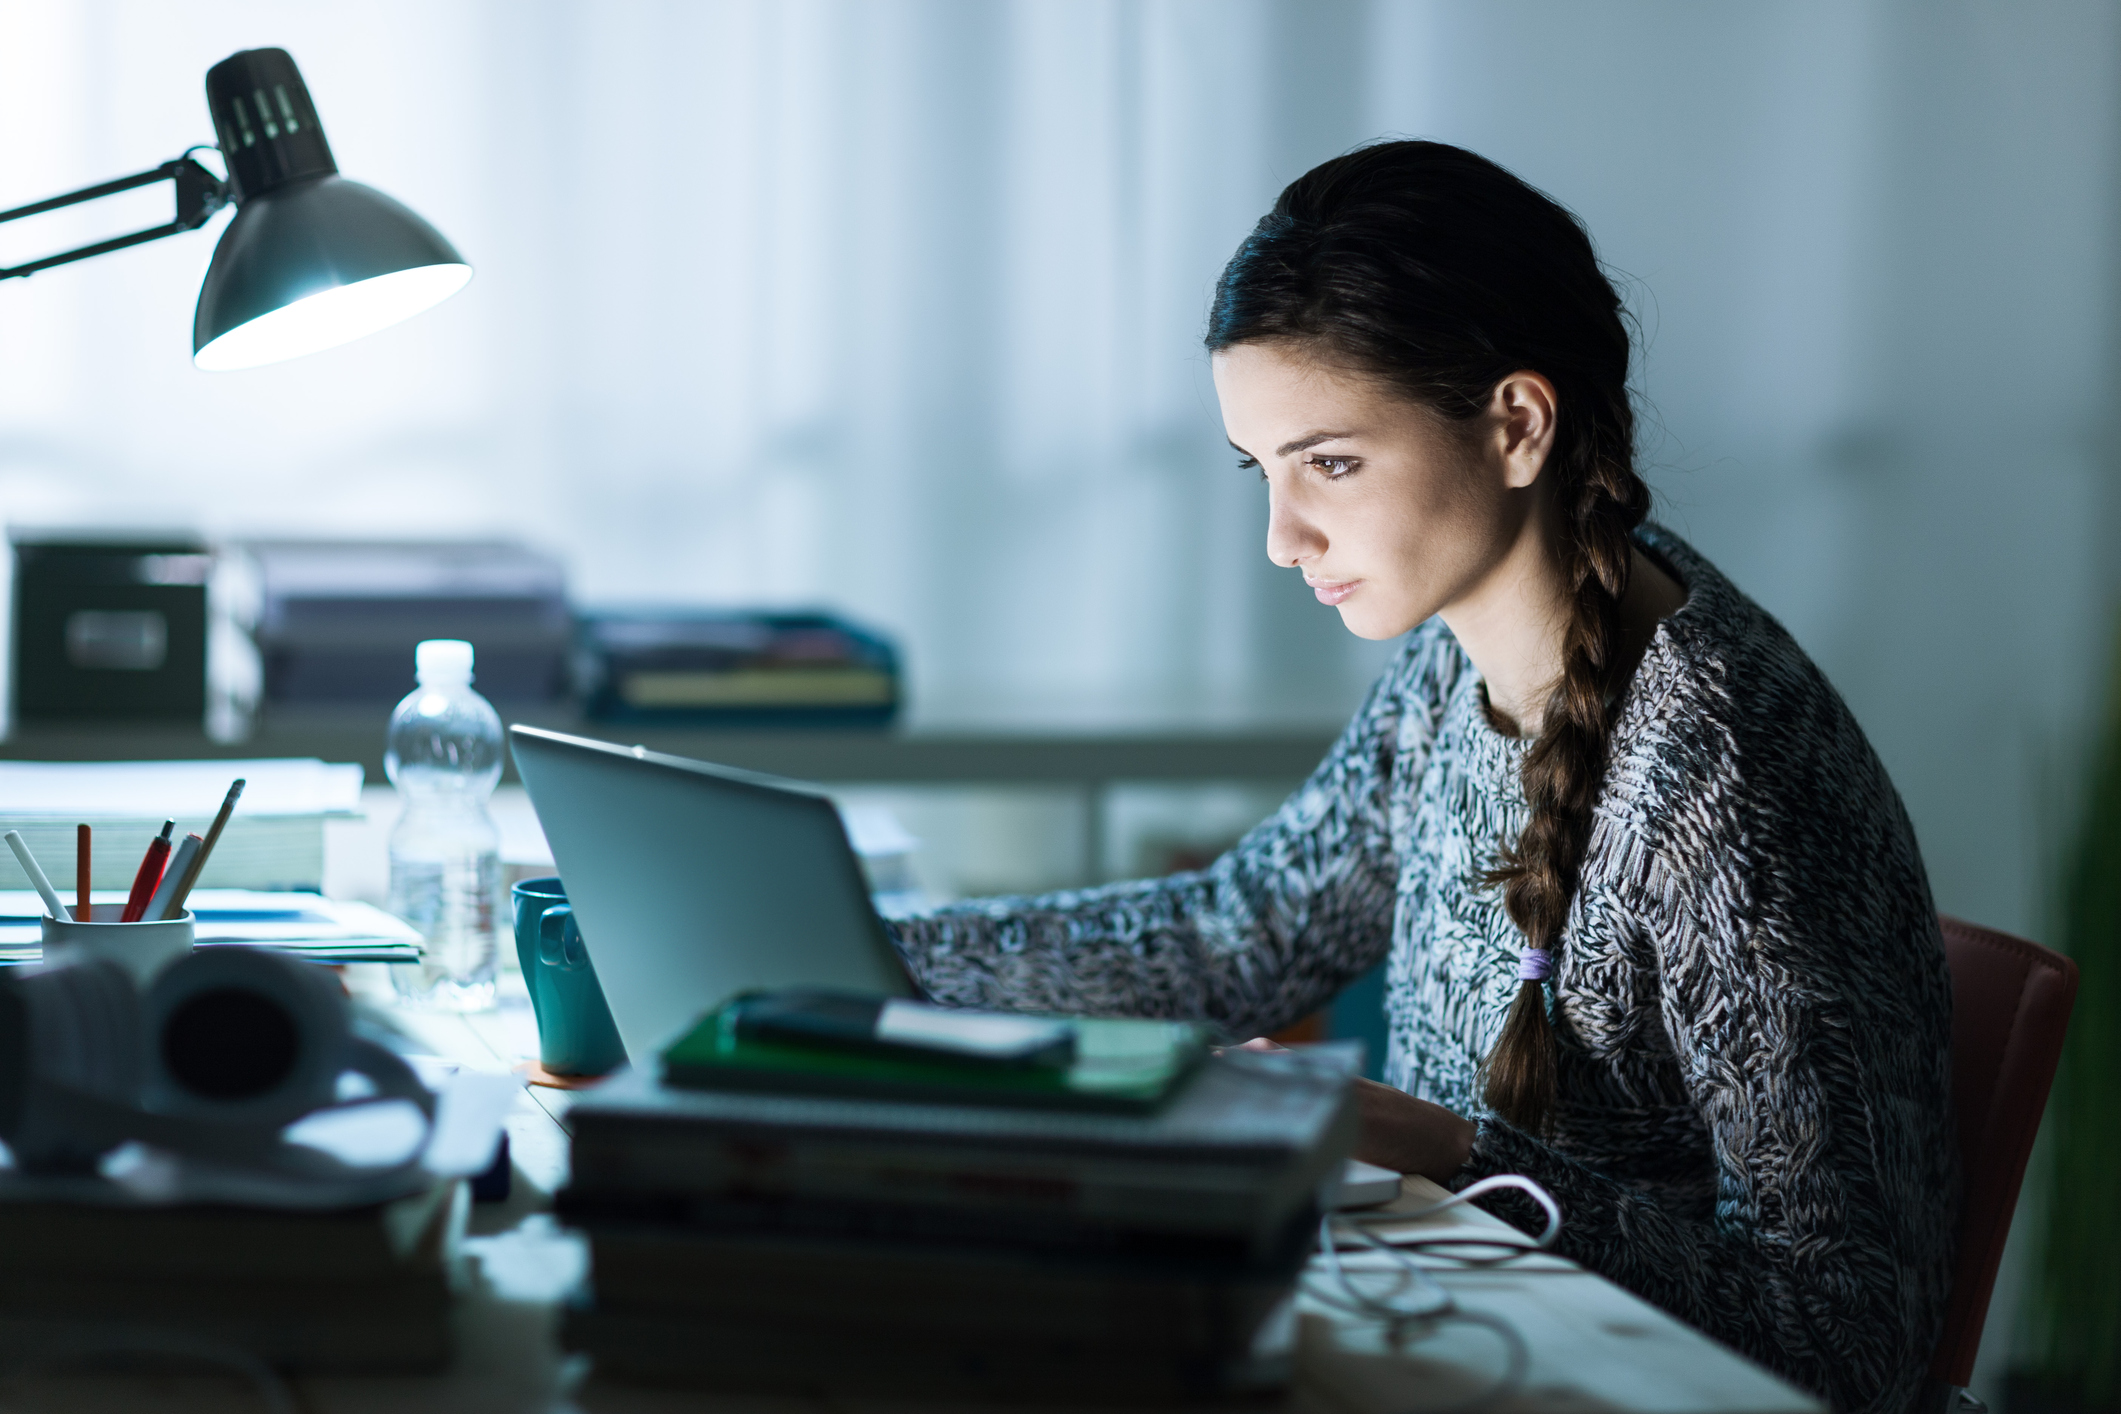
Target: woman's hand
<point x="1402" y="1133"/>
<point x="1409" y="1135"/>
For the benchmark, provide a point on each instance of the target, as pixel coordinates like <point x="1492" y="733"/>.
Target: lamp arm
<point x="199" y="195"/>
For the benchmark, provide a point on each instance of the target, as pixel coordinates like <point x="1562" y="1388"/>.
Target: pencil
<point x="30" y="867"/>
<point x="206" y="847"/>
<point x="83" y="874"/>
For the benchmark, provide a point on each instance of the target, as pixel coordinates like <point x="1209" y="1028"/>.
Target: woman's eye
<point x="1251" y="464"/>
<point x="1333" y="467"/>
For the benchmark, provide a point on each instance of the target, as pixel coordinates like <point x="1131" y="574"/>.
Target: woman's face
<point x="1392" y="513"/>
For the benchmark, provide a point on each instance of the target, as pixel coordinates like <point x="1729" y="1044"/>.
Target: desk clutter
<point x="1001" y="1246"/>
<point x="263" y="862"/>
<point x="171" y="628"/>
<point x="219" y="1157"/>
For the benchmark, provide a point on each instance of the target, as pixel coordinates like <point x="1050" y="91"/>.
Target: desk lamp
<point x="311" y="260"/>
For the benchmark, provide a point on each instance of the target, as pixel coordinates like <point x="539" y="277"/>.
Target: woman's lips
<point x="1331" y="591"/>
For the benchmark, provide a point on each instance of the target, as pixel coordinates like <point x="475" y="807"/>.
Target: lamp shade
<point x="313" y="264"/>
<point x="311" y="259"/>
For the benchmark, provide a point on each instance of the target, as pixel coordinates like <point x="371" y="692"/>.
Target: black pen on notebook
<point x="175" y="907"/>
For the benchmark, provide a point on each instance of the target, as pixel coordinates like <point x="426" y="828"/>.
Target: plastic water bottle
<point x="444" y="758"/>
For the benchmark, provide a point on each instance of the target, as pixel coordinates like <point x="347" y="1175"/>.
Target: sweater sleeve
<point x="1301" y="906"/>
<point x="1825" y="1254"/>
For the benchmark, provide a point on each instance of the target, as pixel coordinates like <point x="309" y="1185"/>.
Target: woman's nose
<point x="1291" y="539"/>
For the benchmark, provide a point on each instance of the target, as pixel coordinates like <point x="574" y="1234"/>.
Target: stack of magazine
<point x="735" y="669"/>
<point x="766" y="1220"/>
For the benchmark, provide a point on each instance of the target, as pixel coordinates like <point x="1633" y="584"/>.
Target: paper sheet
<point x="322" y="929"/>
<point x="175" y="790"/>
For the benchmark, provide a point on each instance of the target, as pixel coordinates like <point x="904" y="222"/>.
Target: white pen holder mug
<point x="140" y="948"/>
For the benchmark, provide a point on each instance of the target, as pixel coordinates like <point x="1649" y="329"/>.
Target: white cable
<point x="1469" y="1249"/>
<point x="1405" y="1322"/>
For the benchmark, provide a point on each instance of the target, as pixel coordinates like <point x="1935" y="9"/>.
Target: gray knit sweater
<point x="1755" y="1017"/>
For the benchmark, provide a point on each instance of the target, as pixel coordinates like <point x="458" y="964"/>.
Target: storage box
<point x="337" y="621"/>
<point x="109" y="629"/>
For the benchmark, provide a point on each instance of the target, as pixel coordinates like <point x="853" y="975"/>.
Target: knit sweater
<point x="1751" y="1002"/>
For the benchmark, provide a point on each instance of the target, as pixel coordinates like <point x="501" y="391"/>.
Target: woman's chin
<point x="1364" y="621"/>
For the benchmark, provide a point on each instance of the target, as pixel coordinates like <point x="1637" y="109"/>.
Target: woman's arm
<point x="1296" y="910"/>
<point x="1818" y="1064"/>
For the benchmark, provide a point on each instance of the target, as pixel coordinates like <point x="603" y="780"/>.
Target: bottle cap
<point x="442" y="660"/>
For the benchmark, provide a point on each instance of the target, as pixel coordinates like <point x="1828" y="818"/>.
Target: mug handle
<point x="560" y="939"/>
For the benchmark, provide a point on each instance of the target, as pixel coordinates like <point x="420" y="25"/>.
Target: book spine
<point x="781" y="1356"/>
<point x="88" y="1241"/>
<point x="1212" y="1198"/>
<point x="211" y="1244"/>
<point x="677" y="1220"/>
<point x="1193" y="1315"/>
<point x="701" y="1161"/>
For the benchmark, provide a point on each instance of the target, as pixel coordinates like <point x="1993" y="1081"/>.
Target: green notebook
<point x="1124" y="1065"/>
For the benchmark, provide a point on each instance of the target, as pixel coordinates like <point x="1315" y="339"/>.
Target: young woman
<point x="1657" y="931"/>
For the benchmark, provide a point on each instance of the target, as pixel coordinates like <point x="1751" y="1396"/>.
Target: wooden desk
<point x="1593" y="1346"/>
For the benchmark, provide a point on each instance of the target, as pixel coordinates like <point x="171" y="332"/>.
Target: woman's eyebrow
<point x="1306" y="443"/>
<point x="1299" y="445"/>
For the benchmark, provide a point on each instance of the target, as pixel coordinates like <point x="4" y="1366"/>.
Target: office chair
<point x="2010" y="1005"/>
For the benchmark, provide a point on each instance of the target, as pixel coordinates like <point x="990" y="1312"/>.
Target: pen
<point x="43" y="885"/>
<point x="198" y="861"/>
<point x="83" y="874"/>
<point x="158" y="908"/>
<point x="150" y="875"/>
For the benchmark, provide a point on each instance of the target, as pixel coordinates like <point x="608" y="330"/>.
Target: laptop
<point x="692" y="882"/>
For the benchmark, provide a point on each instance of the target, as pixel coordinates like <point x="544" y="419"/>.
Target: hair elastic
<point x="1535" y="965"/>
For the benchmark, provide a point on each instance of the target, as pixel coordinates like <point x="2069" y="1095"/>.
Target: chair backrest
<point x="2010" y="1005"/>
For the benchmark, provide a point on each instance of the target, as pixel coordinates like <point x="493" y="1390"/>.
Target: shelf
<point x="954" y="757"/>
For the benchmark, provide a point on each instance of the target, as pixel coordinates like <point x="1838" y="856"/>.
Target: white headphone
<point x="226" y="1048"/>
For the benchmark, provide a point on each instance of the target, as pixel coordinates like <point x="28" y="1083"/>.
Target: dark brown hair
<point x="1441" y="274"/>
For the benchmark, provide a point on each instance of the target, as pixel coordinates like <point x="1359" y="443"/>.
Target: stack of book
<point x="754" y="1238"/>
<point x="351" y="1291"/>
<point x="336" y="621"/>
<point x="734" y="669"/>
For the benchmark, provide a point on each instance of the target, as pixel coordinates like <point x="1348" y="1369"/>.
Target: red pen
<point x="81" y="872"/>
<point x="150" y="875"/>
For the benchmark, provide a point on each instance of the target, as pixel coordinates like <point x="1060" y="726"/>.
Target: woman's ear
<point x="1525" y="410"/>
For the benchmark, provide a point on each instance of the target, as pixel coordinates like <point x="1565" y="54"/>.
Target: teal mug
<point x="576" y="1035"/>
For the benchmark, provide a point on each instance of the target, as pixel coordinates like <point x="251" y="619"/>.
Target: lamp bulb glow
<point x="332" y="317"/>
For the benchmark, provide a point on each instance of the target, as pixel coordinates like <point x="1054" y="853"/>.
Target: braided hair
<point x="1441" y="274"/>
